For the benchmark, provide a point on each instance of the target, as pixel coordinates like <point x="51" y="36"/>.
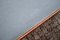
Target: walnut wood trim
<point x="40" y="23"/>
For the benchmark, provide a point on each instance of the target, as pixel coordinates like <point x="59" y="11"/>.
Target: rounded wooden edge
<point x="40" y="23"/>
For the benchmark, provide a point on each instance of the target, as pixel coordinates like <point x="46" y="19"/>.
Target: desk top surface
<point x="18" y="16"/>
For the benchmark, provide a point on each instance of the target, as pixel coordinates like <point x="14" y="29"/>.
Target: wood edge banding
<point x="55" y="12"/>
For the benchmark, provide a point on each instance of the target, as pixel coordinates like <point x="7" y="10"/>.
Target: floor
<point x="49" y="30"/>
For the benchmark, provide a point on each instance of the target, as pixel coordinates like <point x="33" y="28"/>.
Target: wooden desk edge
<point x="40" y="23"/>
